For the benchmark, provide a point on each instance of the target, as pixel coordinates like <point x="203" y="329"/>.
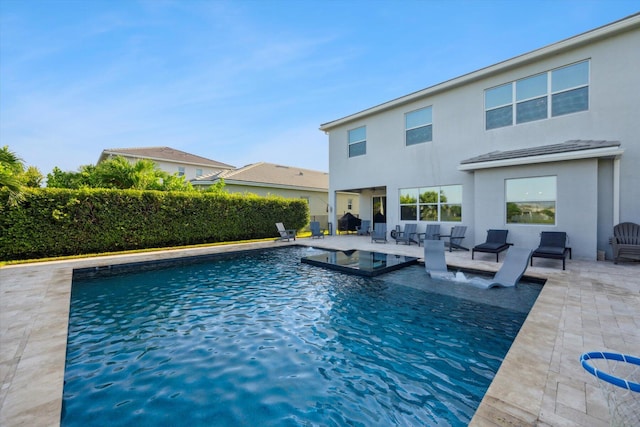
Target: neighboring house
<point x="170" y="160"/>
<point x="265" y="179"/>
<point x="548" y="140"/>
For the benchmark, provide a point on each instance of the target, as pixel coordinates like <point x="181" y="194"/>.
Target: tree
<point x="175" y="183"/>
<point x="11" y="167"/>
<point x="32" y="177"/>
<point x="119" y="173"/>
<point x="11" y="170"/>
<point x="74" y="180"/>
<point x="217" y="188"/>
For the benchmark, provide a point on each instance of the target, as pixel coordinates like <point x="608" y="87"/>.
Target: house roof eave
<point x="614" y="152"/>
<point x="617" y="27"/>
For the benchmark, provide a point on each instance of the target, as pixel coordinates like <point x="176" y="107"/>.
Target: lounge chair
<point x="456" y="236"/>
<point x="316" y="231"/>
<point x="408" y="235"/>
<point x="432" y="233"/>
<point x="553" y="245"/>
<point x="364" y="228"/>
<point x="285" y="233"/>
<point x="379" y="232"/>
<point x="496" y="243"/>
<point x="513" y="267"/>
<point x="435" y="263"/>
<point x="626" y="242"/>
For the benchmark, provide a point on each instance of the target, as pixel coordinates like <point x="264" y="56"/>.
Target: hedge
<point x="49" y="222"/>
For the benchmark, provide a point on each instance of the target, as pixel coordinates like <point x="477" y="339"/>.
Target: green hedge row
<point x="50" y="222"/>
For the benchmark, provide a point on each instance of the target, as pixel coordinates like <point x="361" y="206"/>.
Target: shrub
<point x="50" y="222"/>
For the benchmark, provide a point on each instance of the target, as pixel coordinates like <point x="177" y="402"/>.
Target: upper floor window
<point x="550" y="94"/>
<point x="418" y="126"/>
<point x="570" y="89"/>
<point x="180" y="170"/>
<point x="442" y="203"/>
<point x="531" y="200"/>
<point x="358" y="141"/>
<point x="198" y="172"/>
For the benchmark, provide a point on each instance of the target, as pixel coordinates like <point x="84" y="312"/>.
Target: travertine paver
<point x="591" y="306"/>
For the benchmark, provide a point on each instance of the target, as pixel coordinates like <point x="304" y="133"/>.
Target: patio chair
<point x="435" y="263"/>
<point x="626" y="242"/>
<point x="379" y="232"/>
<point x="285" y="233"/>
<point x="512" y="270"/>
<point x="364" y="228"/>
<point x="496" y="243"/>
<point x="316" y="231"/>
<point x="456" y="236"/>
<point x="553" y="245"/>
<point x="408" y="235"/>
<point x="432" y="233"/>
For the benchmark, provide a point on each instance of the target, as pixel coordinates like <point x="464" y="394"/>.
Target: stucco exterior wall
<point x="189" y="170"/>
<point x="577" y="191"/>
<point x="459" y="133"/>
<point x="173" y="168"/>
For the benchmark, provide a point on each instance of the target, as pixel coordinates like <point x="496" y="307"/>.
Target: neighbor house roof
<point x="569" y="150"/>
<point x="166" y="154"/>
<point x="270" y="175"/>
<point x="626" y="24"/>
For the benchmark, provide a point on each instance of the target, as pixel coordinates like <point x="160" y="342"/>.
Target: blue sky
<point x="243" y="81"/>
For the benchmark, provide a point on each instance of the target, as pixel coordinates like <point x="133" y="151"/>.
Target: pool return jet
<point x="513" y="267"/>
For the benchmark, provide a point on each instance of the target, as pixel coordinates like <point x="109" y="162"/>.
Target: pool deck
<point x="592" y="306"/>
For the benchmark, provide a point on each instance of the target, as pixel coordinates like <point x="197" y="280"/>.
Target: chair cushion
<point x="497" y="236"/>
<point x="490" y="247"/>
<point x="549" y="250"/>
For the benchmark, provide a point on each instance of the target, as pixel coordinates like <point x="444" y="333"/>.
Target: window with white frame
<point x="358" y="141"/>
<point x="198" y="172"/>
<point x="180" y="170"/>
<point x="553" y="93"/>
<point x="570" y="89"/>
<point x="437" y="204"/>
<point x="531" y="200"/>
<point x="418" y="126"/>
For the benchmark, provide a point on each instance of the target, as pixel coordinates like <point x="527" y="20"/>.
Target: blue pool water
<point x="260" y="339"/>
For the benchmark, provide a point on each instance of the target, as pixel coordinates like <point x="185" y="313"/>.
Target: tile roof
<point x="564" y="147"/>
<point x="272" y="174"/>
<point x="164" y="153"/>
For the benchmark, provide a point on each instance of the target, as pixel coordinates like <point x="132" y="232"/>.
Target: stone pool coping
<point x="590" y="306"/>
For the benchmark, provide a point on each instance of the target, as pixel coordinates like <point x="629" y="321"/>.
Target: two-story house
<point x="548" y="140"/>
<point x="169" y="160"/>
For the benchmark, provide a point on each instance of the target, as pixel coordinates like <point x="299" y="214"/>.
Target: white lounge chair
<point x="284" y="233"/>
<point x="435" y="263"/>
<point x="513" y="267"/>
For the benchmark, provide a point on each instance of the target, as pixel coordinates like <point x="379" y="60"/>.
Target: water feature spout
<point x="460" y="277"/>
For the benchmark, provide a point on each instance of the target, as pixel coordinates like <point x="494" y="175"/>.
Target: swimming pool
<point x="259" y="338"/>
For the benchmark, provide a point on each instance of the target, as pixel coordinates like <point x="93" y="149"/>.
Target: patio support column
<point x="616" y="191"/>
<point x="332" y="210"/>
